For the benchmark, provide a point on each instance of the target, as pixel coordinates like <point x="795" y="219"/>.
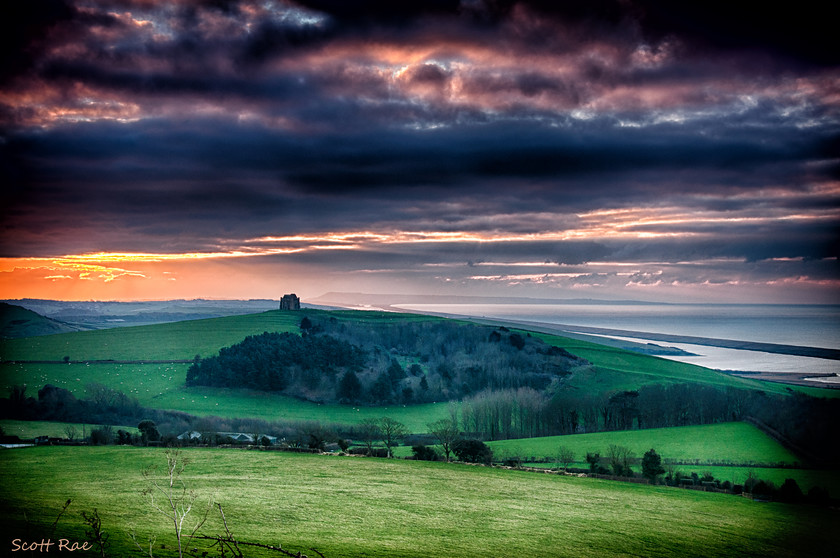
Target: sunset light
<point x="300" y="146"/>
<point x="410" y="278"/>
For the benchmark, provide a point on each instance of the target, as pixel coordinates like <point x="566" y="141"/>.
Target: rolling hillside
<point x="345" y="506"/>
<point x="150" y="363"/>
<point x="17" y="322"/>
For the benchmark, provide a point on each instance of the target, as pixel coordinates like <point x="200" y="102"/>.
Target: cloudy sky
<point x="630" y="149"/>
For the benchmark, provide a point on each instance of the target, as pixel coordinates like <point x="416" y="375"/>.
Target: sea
<point x="796" y="325"/>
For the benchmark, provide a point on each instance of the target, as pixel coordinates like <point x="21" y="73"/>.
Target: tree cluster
<point x="385" y="363"/>
<point x="281" y="362"/>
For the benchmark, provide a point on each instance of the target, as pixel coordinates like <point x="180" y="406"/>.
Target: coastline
<point x="602" y="335"/>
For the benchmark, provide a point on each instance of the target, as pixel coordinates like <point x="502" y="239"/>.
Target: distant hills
<point x="16" y="321"/>
<point x="385" y="300"/>
<point x="34" y="317"/>
<point x="31" y="317"/>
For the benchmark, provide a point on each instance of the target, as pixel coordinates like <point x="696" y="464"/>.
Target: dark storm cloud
<point x="410" y="165"/>
<point x="25" y="32"/>
<point x="607" y="130"/>
<point x="803" y="31"/>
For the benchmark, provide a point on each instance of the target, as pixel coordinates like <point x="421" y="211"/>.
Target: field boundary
<point x="99" y="361"/>
<point x="786" y="442"/>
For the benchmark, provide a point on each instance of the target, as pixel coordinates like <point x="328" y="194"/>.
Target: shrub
<point x="101" y="436"/>
<point x="473" y="451"/>
<point x="594" y="460"/>
<point x="763" y="488"/>
<point x="425" y="453"/>
<point x="620" y="457"/>
<point x="652" y="465"/>
<point x="148" y="431"/>
<point x="790" y="491"/>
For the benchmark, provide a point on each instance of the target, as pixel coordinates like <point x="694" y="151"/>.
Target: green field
<point x="730" y="451"/>
<point x="370" y="507"/>
<point x="347" y="506"/>
<point x="806" y="479"/>
<point x="732" y="443"/>
<point x="170" y="341"/>
<point x="161" y="385"/>
<point x="29" y="429"/>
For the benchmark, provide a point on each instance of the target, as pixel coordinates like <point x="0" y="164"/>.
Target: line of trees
<point x="102" y="405"/>
<point x="112" y="408"/>
<point x="524" y="413"/>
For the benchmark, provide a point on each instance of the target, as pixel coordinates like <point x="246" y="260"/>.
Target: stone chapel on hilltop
<point x="290" y="302"/>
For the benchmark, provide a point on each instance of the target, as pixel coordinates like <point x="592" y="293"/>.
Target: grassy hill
<point x="150" y="364"/>
<point x="373" y="507"/>
<point x="170" y="341"/>
<point x="730" y="451"/>
<point x="161" y="384"/>
<point x="16" y="322"/>
<point x="615" y="368"/>
<point x="732" y="442"/>
<point x="181" y="341"/>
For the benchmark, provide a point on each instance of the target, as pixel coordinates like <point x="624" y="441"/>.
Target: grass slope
<point x="162" y="385"/>
<point x="171" y="341"/>
<point x="16" y="321"/>
<point x="372" y="507"/>
<point x="619" y="369"/>
<point x="732" y="442"/>
<point x="730" y="451"/>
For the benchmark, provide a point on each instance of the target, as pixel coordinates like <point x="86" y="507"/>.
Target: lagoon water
<point x="800" y="325"/>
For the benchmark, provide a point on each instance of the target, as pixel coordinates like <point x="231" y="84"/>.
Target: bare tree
<point x="446" y="432"/>
<point x="565" y="456"/>
<point x="392" y="432"/>
<point x="620" y="458"/>
<point x="369" y="433"/>
<point x="94" y="531"/>
<point x="71" y="432"/>
<point x="169" y="495"/>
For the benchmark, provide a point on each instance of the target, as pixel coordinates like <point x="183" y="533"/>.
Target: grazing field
<point x="29" y="429"/>
<point x="204" y="401"/>
<point x="161" y="386"/>
<point x="347" y="506"/>
<point x="731" y="443"/>
<point x="729" y="451"/>
<point x="170" y="341"/>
